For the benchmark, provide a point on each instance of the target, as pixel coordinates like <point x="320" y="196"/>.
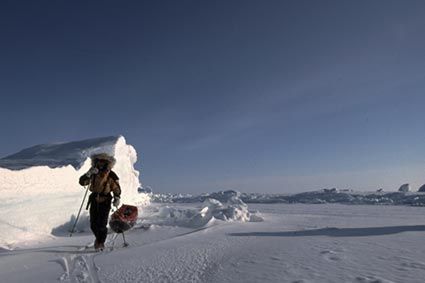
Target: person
<point x="102" y="181"/>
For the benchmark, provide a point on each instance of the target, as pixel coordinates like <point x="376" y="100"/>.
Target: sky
<point x="257" y="96"/>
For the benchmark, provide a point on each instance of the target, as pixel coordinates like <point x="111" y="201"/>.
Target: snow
<point x="40" y="190"/>
<point x="230" y="209"/>
<point x="295" y="243"/>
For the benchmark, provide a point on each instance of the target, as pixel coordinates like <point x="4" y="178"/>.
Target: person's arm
<point x="86" y="178"/>
<point x="116" y="189"/>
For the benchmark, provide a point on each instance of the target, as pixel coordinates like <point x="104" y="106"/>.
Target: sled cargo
<point x="123" y="219"/>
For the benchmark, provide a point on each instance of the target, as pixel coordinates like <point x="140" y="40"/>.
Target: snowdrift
<point x="224" y="205"/>
<point x="40" y="190"/>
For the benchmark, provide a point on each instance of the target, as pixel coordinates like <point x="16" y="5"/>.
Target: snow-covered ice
<point x="229" y="208"/>
<point x="295" y="243"/>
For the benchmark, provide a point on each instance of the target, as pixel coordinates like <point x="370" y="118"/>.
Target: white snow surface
<point x="231" y="209"/>
<point x="40" y="190"/>
<point x="294" y="243"/>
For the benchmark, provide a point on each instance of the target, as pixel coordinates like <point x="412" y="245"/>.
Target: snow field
<point x="294" y="243"/>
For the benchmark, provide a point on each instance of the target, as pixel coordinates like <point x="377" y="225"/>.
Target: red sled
<point x="123" y="219"/>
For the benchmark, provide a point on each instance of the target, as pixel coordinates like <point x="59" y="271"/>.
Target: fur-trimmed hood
<point x="103" y="156"/>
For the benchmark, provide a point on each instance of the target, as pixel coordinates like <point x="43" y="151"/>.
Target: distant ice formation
<point x="404" y="188"/>
<point x="314" y="197"/>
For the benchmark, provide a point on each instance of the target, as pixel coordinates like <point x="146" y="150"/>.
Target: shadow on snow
<point x="338" y="232"/>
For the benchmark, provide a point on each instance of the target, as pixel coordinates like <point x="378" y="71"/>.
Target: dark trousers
<point x="99" y="213"/>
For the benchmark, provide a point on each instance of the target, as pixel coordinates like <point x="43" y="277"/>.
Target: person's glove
<point x="116" y="201"/>
<point x="92" y="171"/>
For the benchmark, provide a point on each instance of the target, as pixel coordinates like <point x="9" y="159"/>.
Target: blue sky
<point x="267" y="96"/>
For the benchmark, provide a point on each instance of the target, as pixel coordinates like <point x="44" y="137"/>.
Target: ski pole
<point x="79" y="211"/>
<point x="125" y="243"/>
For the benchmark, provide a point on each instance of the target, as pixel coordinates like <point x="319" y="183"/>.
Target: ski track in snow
<point x="78" y="263"/>
<point x="83" y="268"/>
<point x="78" y="268"/>
<point x="199" y="262"/>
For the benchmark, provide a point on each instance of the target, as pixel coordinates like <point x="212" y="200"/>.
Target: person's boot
<point x="101" y="246"/>
<point x="96" y="245"/>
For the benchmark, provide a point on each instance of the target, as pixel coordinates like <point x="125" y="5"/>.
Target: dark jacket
<point x="111" y="184"/>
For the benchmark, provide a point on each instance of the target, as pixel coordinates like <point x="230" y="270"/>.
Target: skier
<point x="102" y="181"/>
